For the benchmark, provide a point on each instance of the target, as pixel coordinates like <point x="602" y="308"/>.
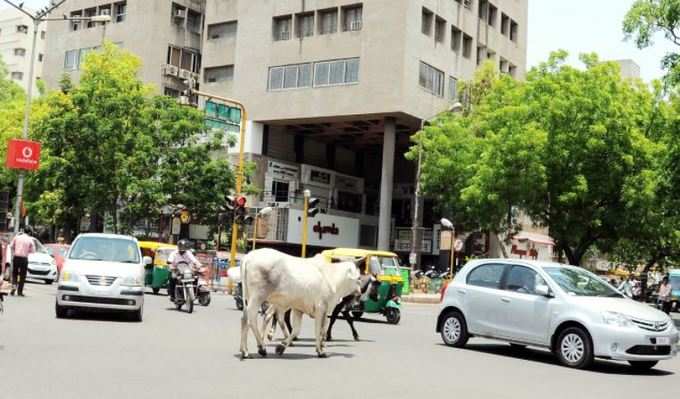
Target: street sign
<point x="23" y="154"/>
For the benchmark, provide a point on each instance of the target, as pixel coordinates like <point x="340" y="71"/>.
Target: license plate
<point x="663" y="341"/>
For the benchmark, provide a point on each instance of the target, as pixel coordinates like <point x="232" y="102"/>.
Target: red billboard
<point x="23" y="154"/>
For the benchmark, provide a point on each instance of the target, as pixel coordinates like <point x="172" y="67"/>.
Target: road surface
<point x="178" y="355"/>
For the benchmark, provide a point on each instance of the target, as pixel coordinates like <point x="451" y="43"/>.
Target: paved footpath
<point x="178" y="355"/>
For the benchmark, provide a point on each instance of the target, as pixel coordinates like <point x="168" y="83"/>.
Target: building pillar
<point x="386" y="185"/>
<point x="254" y="137"/>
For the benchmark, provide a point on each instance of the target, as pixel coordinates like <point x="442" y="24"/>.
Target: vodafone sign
<point x="23" y="154"/>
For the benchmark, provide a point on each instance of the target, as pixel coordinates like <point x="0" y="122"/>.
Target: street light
<point x="455" y="107"/>
<point x="263" y="212"/>
<point x="448" y="225"/>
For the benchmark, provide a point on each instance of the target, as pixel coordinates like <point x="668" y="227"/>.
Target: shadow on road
<point x="292" y="356"/>
<point x="545" y="357"/>
<point x="99" y="315"/>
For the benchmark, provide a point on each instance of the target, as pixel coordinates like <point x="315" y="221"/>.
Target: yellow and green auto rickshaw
<point x="156" y="274"/>
<point x="385" y="265"/>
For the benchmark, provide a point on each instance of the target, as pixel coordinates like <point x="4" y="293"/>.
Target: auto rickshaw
<point x="385" y="266"/>
<point x="156" y="274"/>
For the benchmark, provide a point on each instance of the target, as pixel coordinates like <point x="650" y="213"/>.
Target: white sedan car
<point x="103" y="271"/>
<point x="567" y="309"/>
<point x="41" y="265"/>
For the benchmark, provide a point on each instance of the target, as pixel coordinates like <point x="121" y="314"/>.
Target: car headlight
<point x="616" y="319"/>
<point x="132" y="281"/>
<point x="68" y="277"/>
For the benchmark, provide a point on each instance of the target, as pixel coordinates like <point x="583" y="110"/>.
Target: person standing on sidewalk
<point x="22" y="245"/>
<point x="665" y="295"/>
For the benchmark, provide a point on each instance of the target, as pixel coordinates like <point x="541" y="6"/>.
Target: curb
<point x="429" y="299"/>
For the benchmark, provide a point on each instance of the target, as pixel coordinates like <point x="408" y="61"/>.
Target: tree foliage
<point x="112" y="147"/>
<point x="567" y="148"/>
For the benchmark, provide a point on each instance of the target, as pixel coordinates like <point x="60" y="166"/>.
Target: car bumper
<point x="633" y="344"/>
<point x="39" y="273"/>
<point x="111" y="298"/>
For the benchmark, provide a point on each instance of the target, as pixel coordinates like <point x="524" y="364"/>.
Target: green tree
<point x="562" y="147"/>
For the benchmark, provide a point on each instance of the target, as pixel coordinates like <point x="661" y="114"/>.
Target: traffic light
<point x="240" y="210"/>
<point x="312" y="207"/>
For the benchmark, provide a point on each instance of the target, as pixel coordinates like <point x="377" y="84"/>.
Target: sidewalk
<point x="418" y="297"/>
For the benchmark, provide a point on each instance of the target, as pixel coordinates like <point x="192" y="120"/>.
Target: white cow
<point x="311" y="286"/>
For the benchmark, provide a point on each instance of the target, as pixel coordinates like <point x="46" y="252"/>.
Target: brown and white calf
<point x="310" y="286"/>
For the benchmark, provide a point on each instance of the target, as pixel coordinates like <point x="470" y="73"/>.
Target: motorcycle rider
<point x="181" y="255"/>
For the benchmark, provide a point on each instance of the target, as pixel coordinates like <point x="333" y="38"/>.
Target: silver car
<point x="572" y="312"/>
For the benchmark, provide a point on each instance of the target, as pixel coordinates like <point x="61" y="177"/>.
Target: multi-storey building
<point x="334" y="90"/>
<point x="167" y="35"/>
<point x="16" y="38"/>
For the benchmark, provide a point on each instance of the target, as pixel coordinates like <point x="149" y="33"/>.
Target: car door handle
<point x="506" y="300"/>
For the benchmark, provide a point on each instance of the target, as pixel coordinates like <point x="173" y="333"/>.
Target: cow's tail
<point x="244" y="286"/>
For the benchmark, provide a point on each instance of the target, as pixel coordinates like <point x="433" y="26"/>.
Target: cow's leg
<point x="297" y="323"/>
<point x="268" y="317"/>
<point x="252" y="312"/>
<point x="334" y="317"/>
<point x="320" y="322"/>
<point x="284" y="328"/>
<point x="244" y="334"/>
<point x="350" y="320"/>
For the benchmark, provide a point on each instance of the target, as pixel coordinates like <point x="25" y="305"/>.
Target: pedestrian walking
<point x="665" y="295"/>
<point x="22" y="245"/>
<point x="637" y="289"/>
<point x="627" y="287"/>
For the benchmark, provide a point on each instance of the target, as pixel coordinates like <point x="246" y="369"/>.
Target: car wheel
<point x="574" y="348"/>
<point x="61" y="311"/>
<point x="156" y="290"/>
<point x="643" y="365"/>
<point x="454" y="330"/>
<point x="137" y="315"/>
<point x="49" y="282"/>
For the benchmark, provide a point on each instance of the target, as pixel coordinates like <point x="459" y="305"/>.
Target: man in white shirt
<point x="181" y="255"/>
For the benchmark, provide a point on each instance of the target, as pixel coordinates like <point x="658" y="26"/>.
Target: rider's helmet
<point x="183" y="245"/>
<point x="28" y="230"/>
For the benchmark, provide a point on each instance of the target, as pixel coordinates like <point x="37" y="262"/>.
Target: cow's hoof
<point x="328" y="338"/>
<point x="262" y="351"/>
<point x="356" y="337"/>
<point x="322" y="355"/>
<point x="280" y="349"/>
<point x="244" y="355"/>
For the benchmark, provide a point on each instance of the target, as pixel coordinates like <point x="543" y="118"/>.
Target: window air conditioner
<point x="179" y="13"/>
<point x="184" y="74"/>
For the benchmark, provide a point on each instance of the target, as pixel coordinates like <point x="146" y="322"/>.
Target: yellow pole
<point x="304" y="225"/>
<point x="257" y="215"/>
<point x="239" y="176"/>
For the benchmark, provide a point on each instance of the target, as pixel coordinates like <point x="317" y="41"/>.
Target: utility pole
<point x="305" y="208"/>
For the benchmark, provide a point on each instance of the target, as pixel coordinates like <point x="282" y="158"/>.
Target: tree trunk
<point x="501" y="244"/>
<point x="574" y="257"/>
<point x="644" y="278"/>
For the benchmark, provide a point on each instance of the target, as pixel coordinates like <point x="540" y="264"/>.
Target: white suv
<point x="102" y="271"/>
<point x="567" y="309"/>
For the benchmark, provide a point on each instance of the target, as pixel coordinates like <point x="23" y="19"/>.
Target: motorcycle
<point x="235" y="274"/>
<point x="190" y="286"/>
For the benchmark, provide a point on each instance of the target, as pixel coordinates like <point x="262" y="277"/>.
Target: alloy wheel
<point x="572" y="348"/>
<point x="452" y="329"/>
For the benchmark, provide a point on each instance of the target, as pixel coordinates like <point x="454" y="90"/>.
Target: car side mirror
<point x="544" y="290"/>
<point x="147" y="260"/>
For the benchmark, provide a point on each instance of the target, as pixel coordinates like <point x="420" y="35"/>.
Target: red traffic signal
<point x="240" y="202"/>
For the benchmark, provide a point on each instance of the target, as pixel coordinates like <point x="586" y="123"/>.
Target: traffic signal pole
<point x="241" y="148"/>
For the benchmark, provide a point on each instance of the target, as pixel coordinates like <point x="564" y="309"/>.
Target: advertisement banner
<point x="23" y="154"/>
<point x="324" y="230"/>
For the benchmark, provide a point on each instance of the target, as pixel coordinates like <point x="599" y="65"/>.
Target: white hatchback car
<point x="567" y="309"/>
<point x="102" y="271"/>
<point x="41" y="265"/>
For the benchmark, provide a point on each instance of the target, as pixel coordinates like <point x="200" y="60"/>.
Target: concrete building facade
<point x="167" y="35"/>
<point x="16" y="39"/>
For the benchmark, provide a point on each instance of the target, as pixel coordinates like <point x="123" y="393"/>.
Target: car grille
<point x="38" y="272"/>
<point x="41" y="264"/>
<point x="649" y="350"/>
<point x="654" y="326"/>
<point x="102" y="281"/>
<point x="98" y="300"/>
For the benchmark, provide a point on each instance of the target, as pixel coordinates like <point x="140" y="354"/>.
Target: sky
<point x="577" y="26"/>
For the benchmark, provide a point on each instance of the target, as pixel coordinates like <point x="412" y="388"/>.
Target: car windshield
<point x="675" y="282"/>
<point x="105" y="249"/>
<point x="39" y="247"/>
<point x="579" y="282"/>
<point x="390" y="265"/>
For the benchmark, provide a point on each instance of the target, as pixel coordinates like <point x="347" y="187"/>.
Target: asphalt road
<point x="178" y="355"/>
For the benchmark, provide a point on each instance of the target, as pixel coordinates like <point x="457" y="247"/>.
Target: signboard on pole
<point x="23" y="154"/>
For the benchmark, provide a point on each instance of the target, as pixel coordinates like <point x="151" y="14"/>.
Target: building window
<point x="280" y="191"/>
<point x="43" y="35"/>
<point x="120" y="11"/>
<point x="89" y="13"/>
<point x="493" y="15"/>
<point x="17" y="75"/>
<point x="105" y="10"/>
<point x="431" y="79"/>
<point x="20" y="52"/>
<point x="22" y="28"/>
<point x="481" y="53"/>
<point x="467" y="45"/>
<point x="440" y="30"/>
<point x="426" y="22"/>
<point x="453" y="88"/>
<point x="184" y="59"/>
<point x="503" y="65"/>
<point x="174" y="56"/>
<point x="483" y="9"/>
<point x="194" y="22"/>
<point x="456" y="39"/>
<point x="304" y="25"/>
<point x="282" y="27"/>
<point x="222" y="30"/>
<point x="505" y="24"/>
<point x="328" y="21"/>
<point x="219" y="74"/>
<point x="170" y="92"/>
<point x="352" y="18"/>
<point x="490" y="54"/>
<point x="178" y="14"/>
<point x="72" y="60"/>
<point x="75" y="25"/>
<point x="290" y="76"/>
<point x="40" y="57"/>
<point x="513" y="30"/>
<point x="338" y="72"/>
<point x="512" y="70"/>
<point x="349" y="202"/>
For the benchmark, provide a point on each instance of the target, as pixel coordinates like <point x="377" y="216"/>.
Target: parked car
<point x="674" y="275"/>
<point x="58" y="252"/>
<point x="41" y="266"/>
<point x="567" y="309"/>
<point x="103" y="271"/>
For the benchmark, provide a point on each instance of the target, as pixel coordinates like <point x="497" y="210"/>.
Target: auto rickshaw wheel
<point x="156" y="290"/>
<point x="393" y="315"/>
